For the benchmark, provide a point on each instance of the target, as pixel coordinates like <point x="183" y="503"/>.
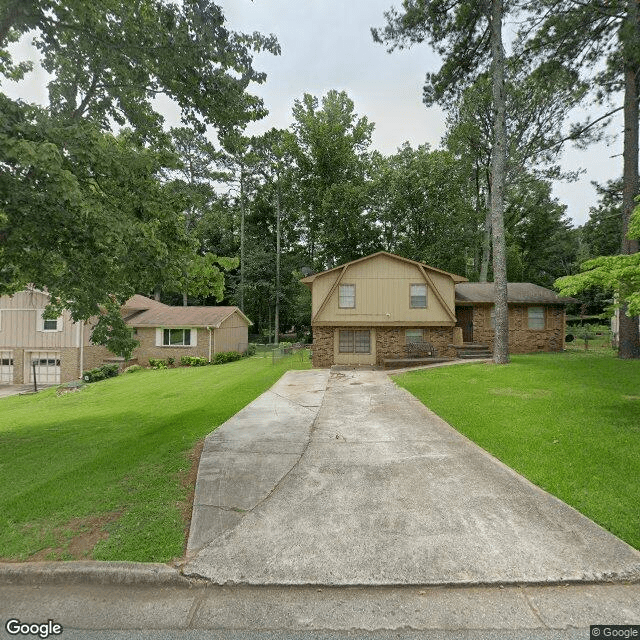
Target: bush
<point x="157" y="363"/>
<point x="251" y="350"/>
<point x="226" y="356"/>
<point x="100" y="373"/>
<point x="133" y="368"/>
<point x="193" y="361"/>
<point x="170" y="361"/>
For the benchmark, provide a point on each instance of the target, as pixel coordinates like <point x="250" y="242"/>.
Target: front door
<point x="6" y="367"/>
<point x="465" y="321"/>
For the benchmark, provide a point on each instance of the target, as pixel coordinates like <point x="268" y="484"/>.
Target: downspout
<point x="209" y="330"/>
<point x="81" y="340"/>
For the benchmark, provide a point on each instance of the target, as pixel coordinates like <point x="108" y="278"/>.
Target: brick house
<point x="536" y="316"/>
<point x="61" y="349"/>
<point x="369" y="310"/>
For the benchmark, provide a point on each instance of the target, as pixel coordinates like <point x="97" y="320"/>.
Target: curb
<point x="90" y="572"/>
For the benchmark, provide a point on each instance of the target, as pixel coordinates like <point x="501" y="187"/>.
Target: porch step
<point x="469" y="350"/>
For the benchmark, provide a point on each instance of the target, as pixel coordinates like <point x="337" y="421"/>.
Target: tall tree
<point x="468" y="36"/>
<point x="331" y="155"/>
<point x="601" y="39"/>
<point x="85" y="213"/>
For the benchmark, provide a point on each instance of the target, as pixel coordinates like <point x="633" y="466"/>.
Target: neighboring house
<point x="368" y="311"/>
<point x="536" y="316"/>
<point x="62" y="349"/>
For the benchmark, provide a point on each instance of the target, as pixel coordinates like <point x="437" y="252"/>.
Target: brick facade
<point x="390" y="343"/>
<point x="521" y="338"/>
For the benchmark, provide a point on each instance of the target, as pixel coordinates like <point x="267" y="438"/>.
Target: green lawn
<point x="568" y="422"/>
<point x="112" y="456"/>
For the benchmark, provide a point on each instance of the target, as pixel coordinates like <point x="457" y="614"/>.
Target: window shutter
<point x="194" y="337"/>
<point x="40" y="320"/>
<point x="158" y="336"/>
<point x="59" y="325"/>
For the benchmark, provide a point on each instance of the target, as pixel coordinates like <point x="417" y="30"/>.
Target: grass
<point x="115" y="453"/>
<point x="568" y="422"/>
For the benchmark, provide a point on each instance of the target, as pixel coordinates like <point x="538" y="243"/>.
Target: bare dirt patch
<point x="76" y="539"/>
<point x="188" y="481"/>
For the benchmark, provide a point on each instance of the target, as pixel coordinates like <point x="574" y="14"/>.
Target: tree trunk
<point x="486" y="244"/>
<point x="629" y="335"/>
<point x="242" y="239"/>
<point x="277" y="311"/>
<point x="498" y="161"/>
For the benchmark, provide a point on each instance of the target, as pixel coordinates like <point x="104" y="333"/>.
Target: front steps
<point x="470" y="350"/>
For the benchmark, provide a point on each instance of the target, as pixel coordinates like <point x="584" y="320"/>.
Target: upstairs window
<point x="49" y="325"/>
<point x="347" y="296"/>
<point x="418" y="296"/>
<point x="536" y="317"/>
<point x="176" y="338"/>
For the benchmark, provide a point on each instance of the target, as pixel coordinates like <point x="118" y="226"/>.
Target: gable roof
<point x="309" y="279"/>
<point x="166" y="316"/>
<point x="517" y="292"/>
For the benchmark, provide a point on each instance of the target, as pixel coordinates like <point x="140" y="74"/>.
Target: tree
<point x="468" y="36"/>
<point x="85" y="213"/>
<point x="537" y="103"/>
<point x="602" y="39"/>
<point x="331" y="155"/>
<point x="619" y="274"/>
<point x="421" y="200"/>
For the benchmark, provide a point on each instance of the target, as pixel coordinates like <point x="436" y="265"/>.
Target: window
<point x="413" y="335"/>
<point x="347" y="296"/>
<point x="176" y="338"/>
<point x="418" y="296"/>
<point x="536" y="317"/>
<point x="49" y="325"/>
<point x="354" y="341"/>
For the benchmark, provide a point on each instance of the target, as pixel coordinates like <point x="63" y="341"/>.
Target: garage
<point x="47" y="367"/>
<point x="6" y="367"/>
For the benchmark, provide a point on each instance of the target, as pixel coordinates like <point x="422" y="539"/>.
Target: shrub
<point x="251" y="350"/>
<point x="170" y="361"/>
<point x="133" y="368"/>
<point x="193" y="361"/>
<point x="100" y="373"/>
<point x="226" y="356"/>
<point x="157" y="363"/>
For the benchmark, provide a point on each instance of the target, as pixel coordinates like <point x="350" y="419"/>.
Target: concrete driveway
<point x="363" y="485"/>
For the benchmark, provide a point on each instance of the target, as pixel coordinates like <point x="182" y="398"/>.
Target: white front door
<point x="6" y="367"/>
<point x="47" y="367"/>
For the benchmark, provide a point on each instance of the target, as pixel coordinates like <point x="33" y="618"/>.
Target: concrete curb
<point x="90" y="572"/>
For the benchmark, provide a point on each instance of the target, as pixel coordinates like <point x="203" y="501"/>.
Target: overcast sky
<point x="327" y="44"/>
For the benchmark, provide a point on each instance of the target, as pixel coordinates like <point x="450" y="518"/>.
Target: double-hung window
<point x="347" y="296"/>
<point x="536" y="317"/>
<point x="176" y="338"/>
<point x="413" y="335"/>
<point x="418" y="295"/>
<point x="354" y="341"/>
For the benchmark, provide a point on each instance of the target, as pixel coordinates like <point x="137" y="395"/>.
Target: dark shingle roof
<point x="517" y="292"/>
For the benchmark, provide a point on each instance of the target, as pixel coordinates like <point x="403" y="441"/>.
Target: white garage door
<point x="6" y="367"/>
<point x="47" y="367"/>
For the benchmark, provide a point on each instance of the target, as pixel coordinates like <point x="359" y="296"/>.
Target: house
<point x="366" y="311"/>
<point x="536" y="316"/>
<point x="61" y="349"/>
<point x="371" y="309"/>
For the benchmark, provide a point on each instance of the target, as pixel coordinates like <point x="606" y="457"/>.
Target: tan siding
<point x="233" y="335"/>
<point x="20" y="319"/>
<point x="383" y="294"/>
